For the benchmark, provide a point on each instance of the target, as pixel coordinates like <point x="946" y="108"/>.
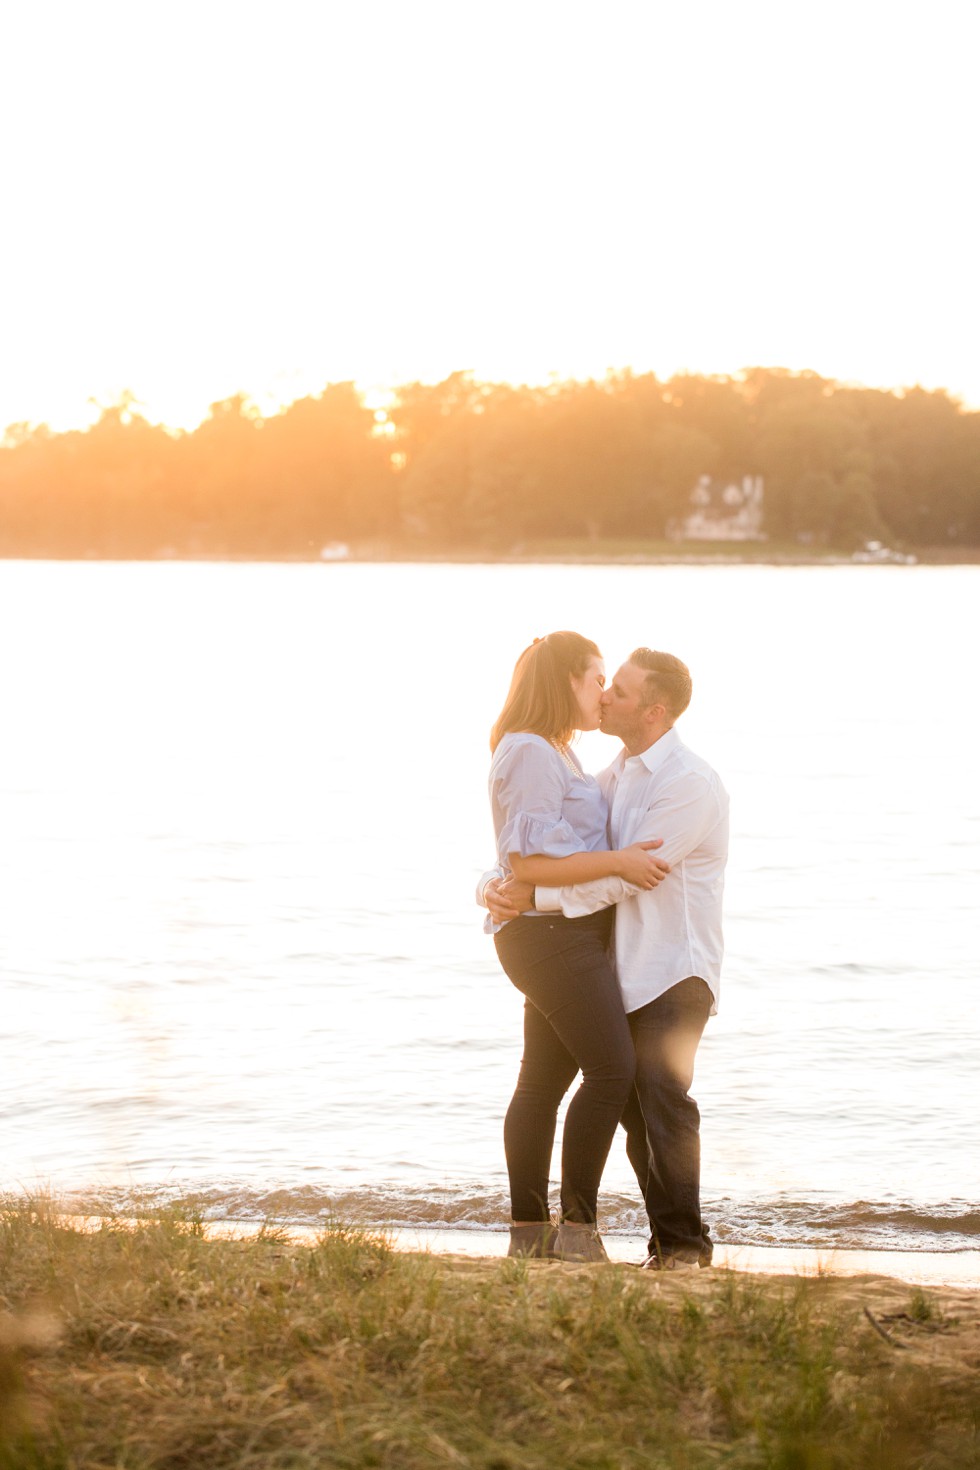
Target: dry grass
<point x="156" y="1347"/>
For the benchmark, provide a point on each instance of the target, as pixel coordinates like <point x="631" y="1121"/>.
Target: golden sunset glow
<point x="208" y="199"/>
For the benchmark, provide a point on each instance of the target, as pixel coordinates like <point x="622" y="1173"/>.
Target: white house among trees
<point x="723" y="512"/>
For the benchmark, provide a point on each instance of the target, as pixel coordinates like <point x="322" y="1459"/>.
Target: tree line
<point x="469" y="465"/>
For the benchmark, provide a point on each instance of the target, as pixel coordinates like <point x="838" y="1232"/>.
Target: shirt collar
<point x="655" y="755"/>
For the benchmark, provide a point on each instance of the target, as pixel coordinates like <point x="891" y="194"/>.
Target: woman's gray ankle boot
<point x="536" y="1238"/>
<point x="580" y="1242"/>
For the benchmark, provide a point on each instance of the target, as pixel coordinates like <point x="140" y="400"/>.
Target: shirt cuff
<point x="547" y="900"/>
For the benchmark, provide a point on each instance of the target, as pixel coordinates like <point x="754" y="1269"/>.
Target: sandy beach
<point x="960" y="1269"/>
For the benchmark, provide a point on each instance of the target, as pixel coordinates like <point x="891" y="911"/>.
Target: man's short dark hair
<point x="668" y="681"/>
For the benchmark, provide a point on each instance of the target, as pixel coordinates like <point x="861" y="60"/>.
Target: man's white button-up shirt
<point x="667" y="933"/>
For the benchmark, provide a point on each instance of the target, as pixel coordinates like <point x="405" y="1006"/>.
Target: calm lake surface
<point x="243" y="811"/>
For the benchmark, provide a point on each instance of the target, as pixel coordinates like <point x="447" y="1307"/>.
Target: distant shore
<point x="585" y="555"/>
<point x="579" y="553"/>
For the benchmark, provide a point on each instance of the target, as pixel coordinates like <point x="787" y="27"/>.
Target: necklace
<point x="563" y="752"/>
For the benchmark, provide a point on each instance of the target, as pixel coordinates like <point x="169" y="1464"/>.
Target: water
<point x="243" y="811"/>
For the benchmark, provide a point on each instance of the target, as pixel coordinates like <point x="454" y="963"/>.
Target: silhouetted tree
<point x="326" y="470"/>
<point x="432" y="442"/>
<point x="467" y="464"/>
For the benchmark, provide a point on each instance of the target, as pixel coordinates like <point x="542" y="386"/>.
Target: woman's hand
<point x="637" y="864"/>
<point x="507" y="899"/>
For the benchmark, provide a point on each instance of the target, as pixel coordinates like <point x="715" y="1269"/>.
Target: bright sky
<point x="266" y="195"/>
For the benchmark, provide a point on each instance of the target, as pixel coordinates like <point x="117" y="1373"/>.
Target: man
<point x="668" y="939"/>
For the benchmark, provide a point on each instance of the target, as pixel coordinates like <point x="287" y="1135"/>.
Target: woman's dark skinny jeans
<point x="573" y="1020"/>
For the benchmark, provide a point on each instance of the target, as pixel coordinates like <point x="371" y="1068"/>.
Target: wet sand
<point x="918" y="1268"/>
<point x="959" y="1269"/>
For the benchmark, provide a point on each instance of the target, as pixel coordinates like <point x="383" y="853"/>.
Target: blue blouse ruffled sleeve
<point x="527" y="788"/>
<point x="531" y="836"/>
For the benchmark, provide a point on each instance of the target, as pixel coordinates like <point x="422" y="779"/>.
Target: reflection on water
<point x="244" y="806"/>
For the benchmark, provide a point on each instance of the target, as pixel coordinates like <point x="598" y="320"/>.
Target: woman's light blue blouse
<point x="541" y="807"/>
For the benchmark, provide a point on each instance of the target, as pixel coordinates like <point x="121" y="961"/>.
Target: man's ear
<point x="655" y="713"/>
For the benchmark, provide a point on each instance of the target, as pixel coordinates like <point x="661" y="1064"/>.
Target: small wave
<point x="861" y="1225"/>
<point x="823" y="1224"/>
<point x="966" y="1223"/>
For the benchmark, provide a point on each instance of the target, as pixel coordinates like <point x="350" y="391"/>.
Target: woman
<point x="550" y="823"/>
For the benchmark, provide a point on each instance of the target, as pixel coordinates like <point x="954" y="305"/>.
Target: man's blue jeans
<point x="662" y="1121"/>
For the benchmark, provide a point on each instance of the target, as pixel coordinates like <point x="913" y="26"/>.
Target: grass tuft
<point x="151" y="1347"/>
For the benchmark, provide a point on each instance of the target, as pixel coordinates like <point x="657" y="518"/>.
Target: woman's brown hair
<point x="540" y="698"/>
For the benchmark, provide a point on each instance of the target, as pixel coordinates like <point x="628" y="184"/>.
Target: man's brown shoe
<point x="670" y="1263"/>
